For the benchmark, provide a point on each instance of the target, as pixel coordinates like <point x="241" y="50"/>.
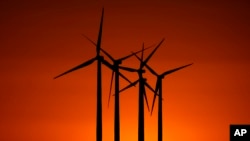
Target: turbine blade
<point x="110" y="86"/>
<point x="128" y="69"/>
<point x="125" y="78"/>
<point x="149" y="87"/>
<point x="89" y="39"/>
<point x="77" y="67"/>
<point x="130" y="85"/>
<point x="141" y="64"/>
<point x="106" y="53"/>
<point x="137" y="57"/>
<point x="134" y="53"/>
<point x="106" y="63"/>
<point x="149" y="68"/>
<point x="173" y="70"/>
<point x="111" y="67"/>
<point x="145" y="96"/>
<point x="98" y="46"/>
<point x="142" y="51"/>
<point x="156" y="90"/>
<point x="151" y="54"/>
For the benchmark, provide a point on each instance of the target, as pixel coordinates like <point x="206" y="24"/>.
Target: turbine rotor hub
<point x="141" y="71"/>
<point x="161" y="76"/>
<point x="118" y="62"/>
<point x="100" y="57"/>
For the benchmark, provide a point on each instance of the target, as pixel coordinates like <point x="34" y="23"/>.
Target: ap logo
<point x="239" y="132"/>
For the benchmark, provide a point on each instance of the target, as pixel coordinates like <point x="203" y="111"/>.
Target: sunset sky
<point x="41" y="39"/>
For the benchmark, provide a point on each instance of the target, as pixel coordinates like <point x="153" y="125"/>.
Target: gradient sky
<point x="41" y="39"/>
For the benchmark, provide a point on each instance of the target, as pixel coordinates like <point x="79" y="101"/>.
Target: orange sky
<point x="42" y="39"/>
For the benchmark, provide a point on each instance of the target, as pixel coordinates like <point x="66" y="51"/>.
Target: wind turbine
<point x="158" y="89"/>
<point x="142" y="92"/>
<point x="100" y="60"/>
<point x="116" y="67"/>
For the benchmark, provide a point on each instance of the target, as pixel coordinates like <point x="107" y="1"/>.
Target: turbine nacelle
<point x="117" y="62"/>
<point x="141" y="71"/>
<point x="161" y="76"/>
<point x="99" y="57"/>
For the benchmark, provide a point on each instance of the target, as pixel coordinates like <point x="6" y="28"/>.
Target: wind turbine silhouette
<point x="115" y="67"/>
<point x="100" y="59"/>
<point x="142" y="92"/>
<point x="158" y="89"/>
